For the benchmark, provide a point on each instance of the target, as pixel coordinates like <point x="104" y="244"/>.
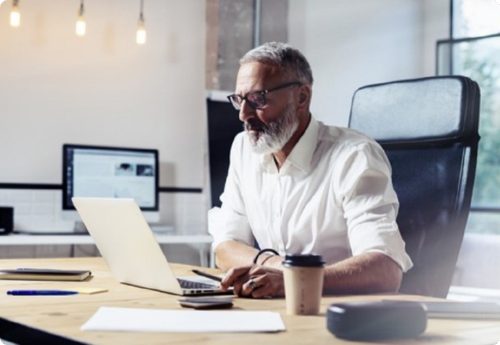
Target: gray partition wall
<point x="223" y="125"/>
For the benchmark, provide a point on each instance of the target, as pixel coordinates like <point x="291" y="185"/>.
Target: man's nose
<point x="246" y="111"/>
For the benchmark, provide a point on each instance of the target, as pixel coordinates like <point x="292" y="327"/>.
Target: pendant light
<point x="140" y="36"/>
<point x="81" y="26"/>
<point x="15" y="15"/>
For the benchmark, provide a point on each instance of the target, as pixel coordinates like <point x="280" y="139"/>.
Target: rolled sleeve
<point x="383" y="237"/>
<point x="226" y="225"/>
<point x="371" y="205"/>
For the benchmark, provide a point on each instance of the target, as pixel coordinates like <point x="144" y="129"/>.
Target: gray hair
<point x="289" y="60"/>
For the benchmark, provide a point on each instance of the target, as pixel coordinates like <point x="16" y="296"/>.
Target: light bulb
<point x="81" y="26"/>
<point x="140" y="36"/>
<point x="15" y="16"/>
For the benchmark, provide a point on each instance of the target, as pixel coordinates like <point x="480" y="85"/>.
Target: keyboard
<point x="188" y="284"/>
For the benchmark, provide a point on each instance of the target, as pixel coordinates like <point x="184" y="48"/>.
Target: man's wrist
<point x="258" y="257"/>
<point x="274" y="261"/>
<point x="263" y="258"/>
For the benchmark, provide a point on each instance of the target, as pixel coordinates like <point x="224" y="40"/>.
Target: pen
<point x="40" y="292"/>
<point x="207" y="275"/>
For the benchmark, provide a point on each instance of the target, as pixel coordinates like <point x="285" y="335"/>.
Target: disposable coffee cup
<point x="303" y="276"/>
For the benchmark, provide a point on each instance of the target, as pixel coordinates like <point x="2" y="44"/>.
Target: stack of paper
<point x="154" y="320"/>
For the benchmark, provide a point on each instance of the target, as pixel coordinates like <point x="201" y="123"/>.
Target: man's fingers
<point x="238" y="287"/>
<point x="268" y="285"/>
<point x="233" y="275"/>
<point x="258" y="287"/>
<point x="254" y="281"/>
<point x="263" y="292"/>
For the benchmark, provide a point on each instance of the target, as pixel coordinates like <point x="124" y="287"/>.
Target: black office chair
<point x="429" y="129"/>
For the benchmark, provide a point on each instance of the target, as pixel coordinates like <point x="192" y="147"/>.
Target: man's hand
<point x="255" y="281"/>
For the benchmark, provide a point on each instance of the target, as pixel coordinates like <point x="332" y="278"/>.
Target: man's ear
<point x="304" y="96"/>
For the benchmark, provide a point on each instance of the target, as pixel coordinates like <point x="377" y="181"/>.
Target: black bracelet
<point x="262" y="251"/>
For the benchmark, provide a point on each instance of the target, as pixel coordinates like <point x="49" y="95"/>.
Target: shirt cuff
<point x="382" y="236"/>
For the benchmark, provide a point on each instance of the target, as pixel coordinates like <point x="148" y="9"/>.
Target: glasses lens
<point x="257" y="100"/>
<point x="236" y="101"/>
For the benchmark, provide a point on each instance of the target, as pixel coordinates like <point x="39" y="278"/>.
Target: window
<point x="473" y="51"/>
<point x="472" y="18"/>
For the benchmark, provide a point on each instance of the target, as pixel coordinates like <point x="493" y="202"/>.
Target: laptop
<point x="130" y="249"/>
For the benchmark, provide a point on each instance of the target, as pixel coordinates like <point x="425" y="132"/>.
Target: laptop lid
<point x="128" y="245"/>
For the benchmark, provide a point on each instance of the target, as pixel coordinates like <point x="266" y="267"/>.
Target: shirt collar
<point x="302" y="152"/>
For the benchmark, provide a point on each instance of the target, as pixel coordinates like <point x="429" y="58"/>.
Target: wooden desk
<point x="64" y="315"/>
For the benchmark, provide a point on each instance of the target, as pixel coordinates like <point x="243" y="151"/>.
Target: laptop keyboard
<point x="188" y="284"/>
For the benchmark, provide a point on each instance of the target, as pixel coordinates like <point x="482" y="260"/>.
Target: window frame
<point x="494" y="210"/>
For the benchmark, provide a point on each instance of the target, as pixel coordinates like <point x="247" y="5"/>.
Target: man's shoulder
<point x="343" y="137"/>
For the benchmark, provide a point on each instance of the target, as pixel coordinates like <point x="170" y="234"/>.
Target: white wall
<point x="437" y="26"/>
<point x="358" y="42"/>
<point x="102" y="89"/>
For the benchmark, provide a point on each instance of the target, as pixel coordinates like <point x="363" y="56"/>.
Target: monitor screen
<point x="110" y="172"/>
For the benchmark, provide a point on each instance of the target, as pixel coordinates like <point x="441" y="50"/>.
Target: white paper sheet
<point x="155" y="320"/>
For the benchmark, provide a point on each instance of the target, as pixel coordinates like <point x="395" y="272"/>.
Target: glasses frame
<point x="237" y="105"/>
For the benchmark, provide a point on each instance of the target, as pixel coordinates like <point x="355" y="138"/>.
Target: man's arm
<point x="231" y="254"/>
<point x="365" y="273"/>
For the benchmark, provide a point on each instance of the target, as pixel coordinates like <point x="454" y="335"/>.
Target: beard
<point x="267" y="139"/>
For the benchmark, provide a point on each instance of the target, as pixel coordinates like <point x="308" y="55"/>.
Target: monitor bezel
<point x="66" y="202"/>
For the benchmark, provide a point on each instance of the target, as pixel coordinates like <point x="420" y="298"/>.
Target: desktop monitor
<point x="111" y="172"/>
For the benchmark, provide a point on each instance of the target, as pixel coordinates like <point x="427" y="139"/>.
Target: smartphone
<point x="206" y="302"/>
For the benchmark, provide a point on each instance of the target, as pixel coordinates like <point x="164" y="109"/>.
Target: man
<point x="298" y="186"/>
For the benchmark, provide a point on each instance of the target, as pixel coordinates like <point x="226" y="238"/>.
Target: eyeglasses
<point x="256" y="99"/>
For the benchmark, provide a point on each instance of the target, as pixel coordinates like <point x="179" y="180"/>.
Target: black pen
<point x="207" y="275"/>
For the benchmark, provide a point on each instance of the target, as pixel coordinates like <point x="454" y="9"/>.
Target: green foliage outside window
<point x="479" y="60"/>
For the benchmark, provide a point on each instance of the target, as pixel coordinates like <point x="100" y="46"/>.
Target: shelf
<point x="35" y="239"/>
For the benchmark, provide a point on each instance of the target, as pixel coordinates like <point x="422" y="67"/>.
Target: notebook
<point x="130" y="249"/>
<point x="44" y="274"/>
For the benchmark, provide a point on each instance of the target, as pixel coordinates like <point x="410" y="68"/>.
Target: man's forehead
<point x="257" y="75"/>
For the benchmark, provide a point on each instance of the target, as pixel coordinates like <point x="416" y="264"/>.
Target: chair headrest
<point x="419" y="110"/>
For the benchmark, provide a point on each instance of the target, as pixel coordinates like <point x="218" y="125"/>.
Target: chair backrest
<point x="428" y="128"/>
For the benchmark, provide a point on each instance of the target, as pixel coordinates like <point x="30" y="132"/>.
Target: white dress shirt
<point x="333" y="196"/>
